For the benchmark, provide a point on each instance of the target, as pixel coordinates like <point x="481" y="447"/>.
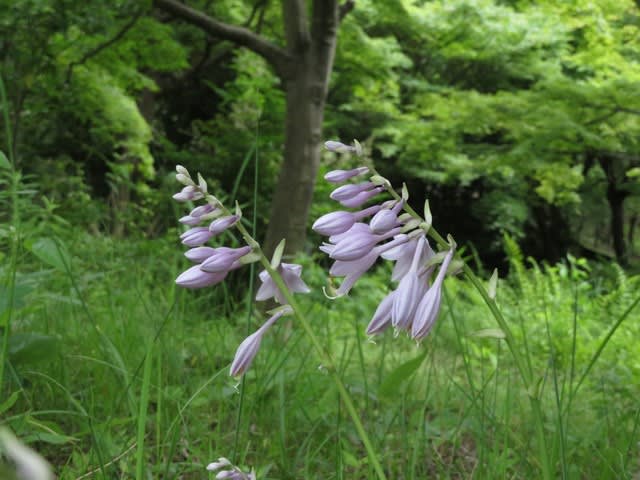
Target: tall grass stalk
<point x="15" y="232"/>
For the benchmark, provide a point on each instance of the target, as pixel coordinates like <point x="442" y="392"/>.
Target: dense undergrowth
<point x="89" y="310"/>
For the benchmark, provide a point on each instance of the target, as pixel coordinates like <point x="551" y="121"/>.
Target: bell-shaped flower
<point x="361" y="198"/>
<point x="196" y="236"/>
<point x="403" y="255"/>
<point x="409" y="292"/>
<point x="429" y="307"/>
<point x="221" y="224"/>
<point x="354" y="269"/>
<point x="337" y="176"/>
<point x="339" y="222"/>
<point x="229" y="471"/>
<point x="382" y="317"/>
<point x="223" y="258"/>
<point x="290" y="273"/>
<point x="194" y="277"/>
<point x="202" y="210"/>
<point x="248" y="349"/>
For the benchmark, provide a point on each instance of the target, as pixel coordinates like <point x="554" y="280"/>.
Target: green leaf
<point x="493" y="284"/>
<point x="488" y="333"/>
<point x="9" y="402"/>
<point x="392" y="382"/>
<point x="31" y="347"/>
<point x="277" y="254"/>
<point x="4" y="162"/>
<point x="52" y="252"/>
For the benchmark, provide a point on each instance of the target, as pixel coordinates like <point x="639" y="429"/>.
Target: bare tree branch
<point x="345" y="8"/>
<point x="93" y="52"/>
<point x="276" y="56"/>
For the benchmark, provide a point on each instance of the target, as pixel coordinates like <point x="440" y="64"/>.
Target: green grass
<point x="133" y="381"/>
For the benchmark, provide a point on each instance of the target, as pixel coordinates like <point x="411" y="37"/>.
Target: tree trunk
<point x="616" y="197"/>
<point x="294" y="191"/>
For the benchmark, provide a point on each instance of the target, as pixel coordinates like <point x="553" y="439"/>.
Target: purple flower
<point x="188" y="193"/>
<point x="199" y="254"/>
<point x="382" y="318"/>
<point x="202" y="210"/>
<point x="221" y="224"/>
<point x="196" y="278"/>
<point x="346" y="192"/>
<point x="339" y="222"/>
<point x="386" y="219"/>
<point x="339" y="147"/>
<point x="337" y="176"/>
<point x="223" y="258"/>
<point x="249" y="347"/>
<point x="429" y="307"/>
<point x="189" y="220"/>
<point x="232" y="473"/>
<point x="196" y="236"/>
<point x="409" y="292"/>
<point x="290" y="273"/>
<point x="358" y="244"/>
<point x="354" y="269"/>
<point x="403" y="255"/>
<point x="361" y="198"/>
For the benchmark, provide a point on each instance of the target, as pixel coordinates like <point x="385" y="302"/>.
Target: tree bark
<point x="304" y="68"/>
<point x="615" y="197"/>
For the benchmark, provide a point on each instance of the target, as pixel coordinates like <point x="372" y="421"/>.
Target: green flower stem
<point x="325" y="357"/>
<point x="525" y="372"/>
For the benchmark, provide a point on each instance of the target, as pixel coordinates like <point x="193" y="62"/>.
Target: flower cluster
<point x="355" y="246"/>
<point x="229" y="471"/>
<point x="213" y="264"/>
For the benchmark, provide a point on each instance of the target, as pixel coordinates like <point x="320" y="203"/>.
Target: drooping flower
<point x="290" y="273"/>
<point x="220" y="225"/>
<point x="223" y="258"/>
<point x="429" y="307"/>
<point x="409" y="292"/>
<point x="386" y="219"/>
<point x="382" y="317"/>
<point x="248" y="349"/>
<point x="361" y="198"/>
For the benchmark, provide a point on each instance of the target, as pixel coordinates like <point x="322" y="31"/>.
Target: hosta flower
<point x="339" y="222"/>
<point x="290" y="273"/>
<point x="386" y="219"/>
<point x="229" y="471"/>
<point x="382" y="317"/>
<point x="345" y="192"/>
<point x="337" y="176"/>
<point x="361" y="198"/>
<point x="214" y="264"/>
<point x="409" y="292"/>
<point x="429" y="307"/>
<point x="249" y="347"/>
<point x="358" y="244"/>
<point x="339" y="147"/>
<point x="196" y="236"/>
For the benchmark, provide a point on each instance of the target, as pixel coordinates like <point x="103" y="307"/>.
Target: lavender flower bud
<point x="248" y="349"/>
<point x="385" y="219"/>
<point x="361" y="198"/>
<point x="202" y="210"/>
<point x="346" y="192"/>
<point x="199" y="254"/>
<point x="359" y="244"/>
<point x="337" y="176"/>
<point x="223" y="258"/>
<point x="221" y="224"/>
<point x="338" y="147"/>
<point x="188" y="193"/>
<point x="196" y="236"/>
<point x="189" y="220"/>
<point x="196" y="278"/>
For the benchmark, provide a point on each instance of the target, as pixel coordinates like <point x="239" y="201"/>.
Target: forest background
<point x="518" y="120"/>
